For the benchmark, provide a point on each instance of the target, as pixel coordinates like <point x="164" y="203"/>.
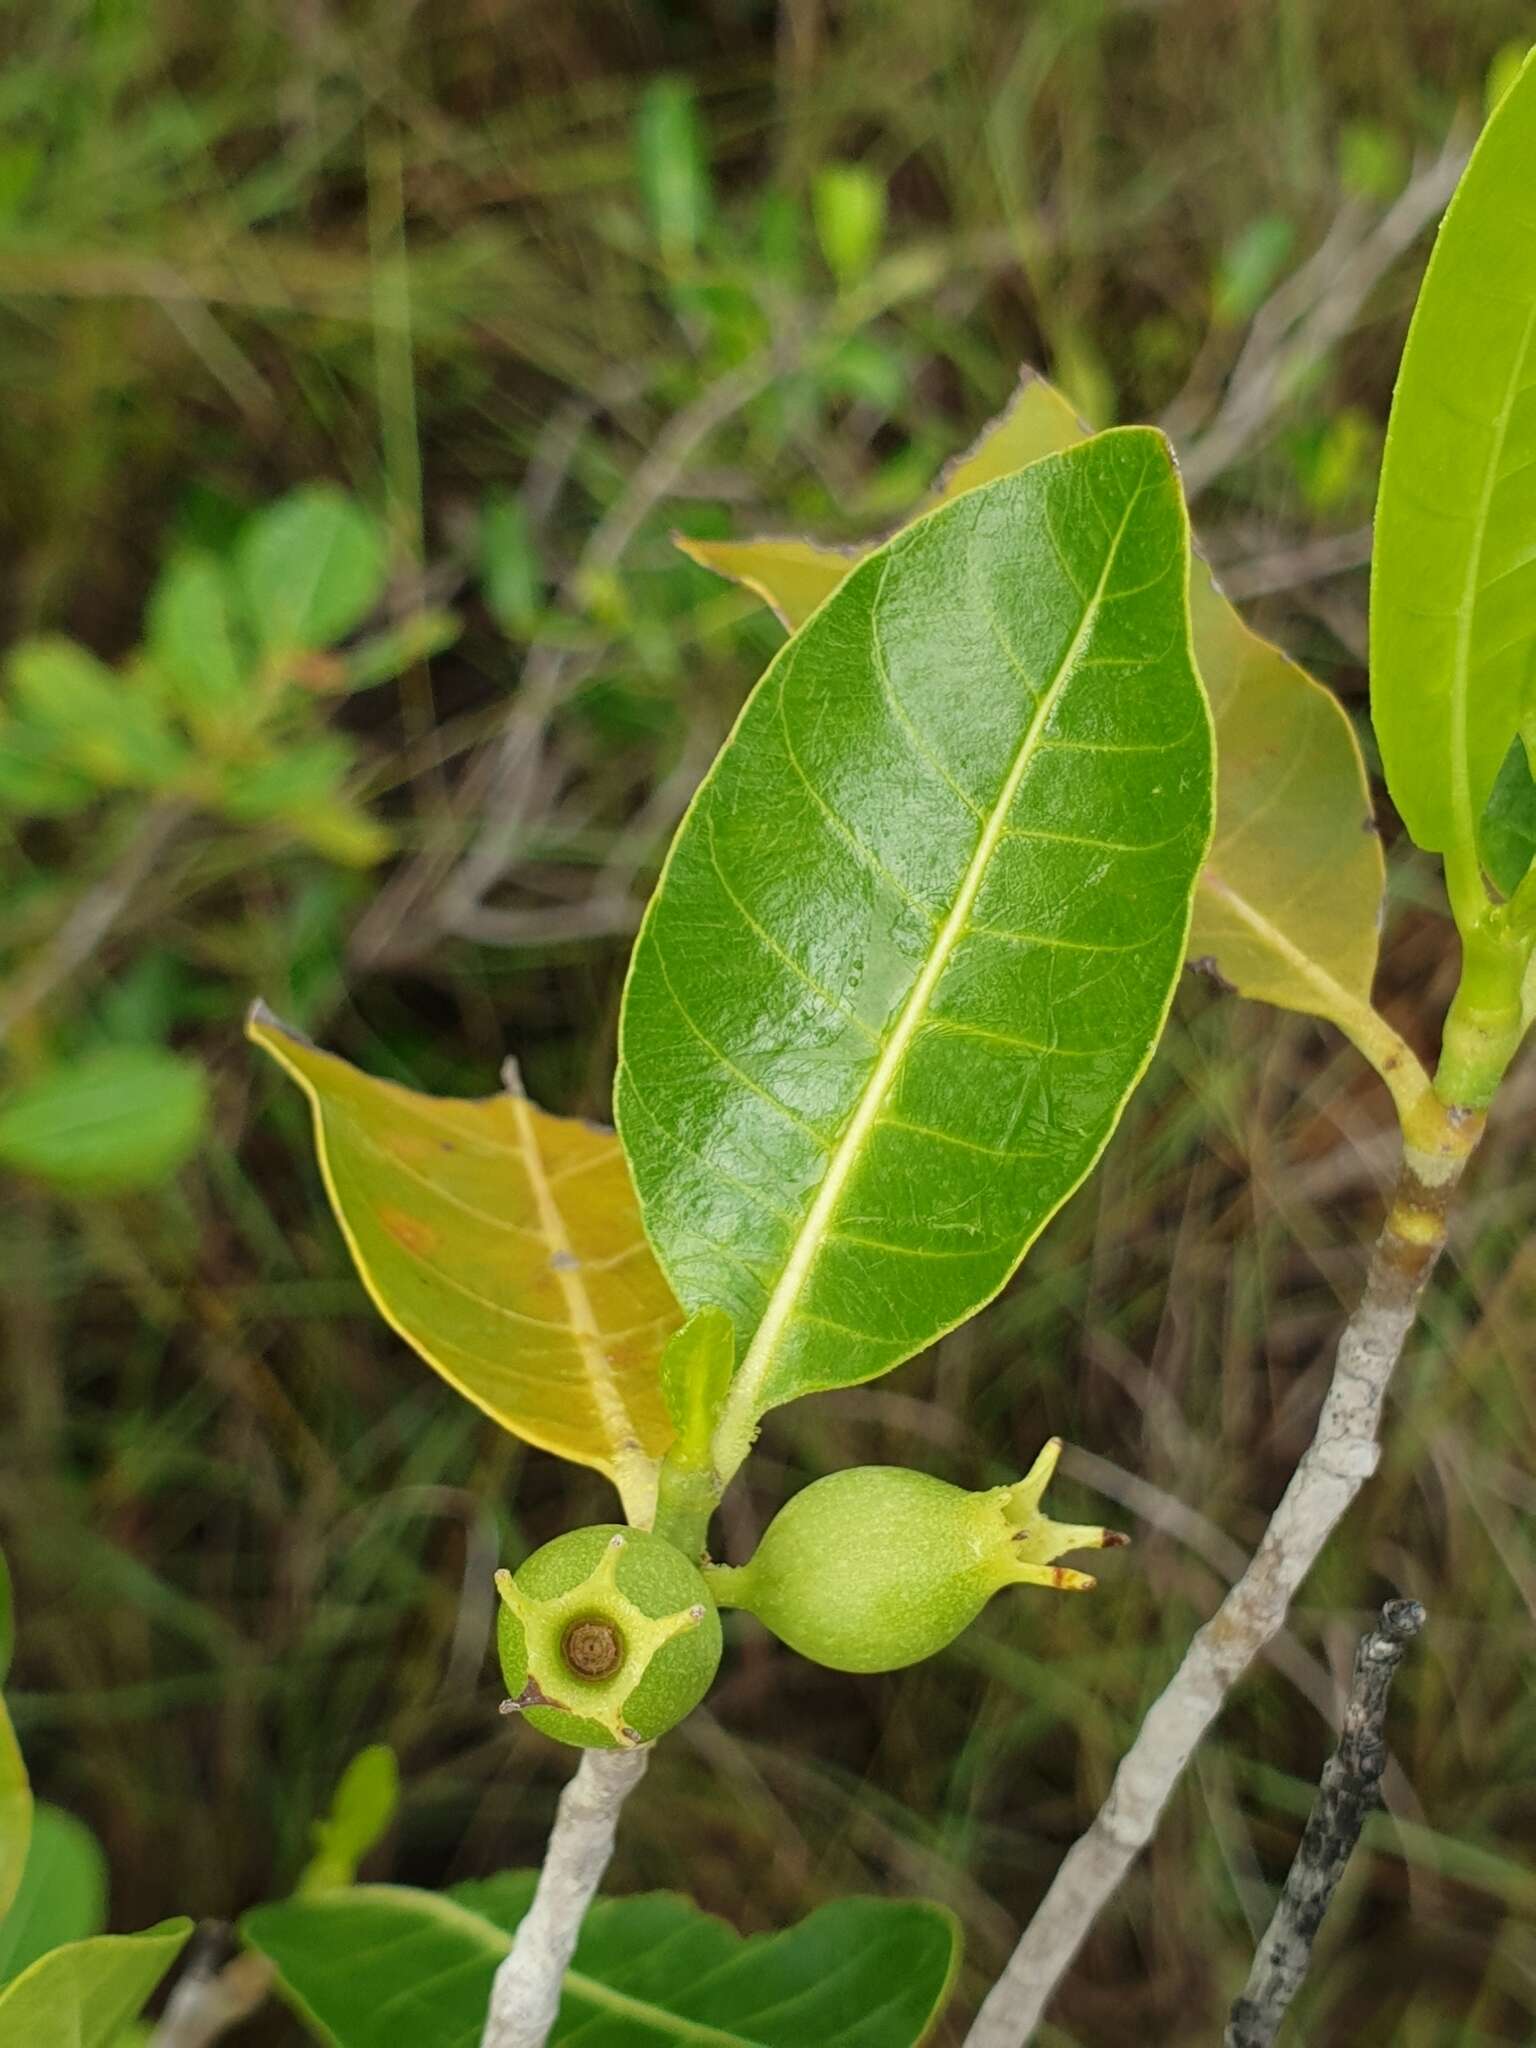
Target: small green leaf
<point x="311" y="568"/>
<point x="649" y="1972"/>
<point x="1507" y="830"/>
<point x="696" y="1370"/>
<point x="916" y="938"/>
<point x="125" y="1117"/>
<point x="100" y="724"/>
<point x="31" y="781"/>
<point x="192" y="638"/>
<point x="1250" y="267"/>
<point x="1453" y="587"/>
<point x="511" y="575"/>
<point x="383" y="656"/>
<point x="82" y="1995"/>
<point x="15" y="1813"/>
<point x="363" y="1807"/>
<point x="63" y="1895"/>
<point x="673" y="167"/>
<point x="504" y="1246"/>
<point x="848" y="208"/>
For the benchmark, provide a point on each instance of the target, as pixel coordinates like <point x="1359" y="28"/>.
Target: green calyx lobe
<point x="876" y="1568"/>
<point x="607" y="1637"/>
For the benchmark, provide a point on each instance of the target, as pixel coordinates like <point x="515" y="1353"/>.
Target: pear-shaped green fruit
<point x="607" y="1637"/>
<point x="878" y="1567"/>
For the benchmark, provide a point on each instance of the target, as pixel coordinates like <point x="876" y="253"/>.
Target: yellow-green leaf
<point x="505" y="1246"/>
<point x="793" y="576"/>
<point x="1036" y="422"/>
<point x="1288" y="903"/>
<point x="15" y="1813"/>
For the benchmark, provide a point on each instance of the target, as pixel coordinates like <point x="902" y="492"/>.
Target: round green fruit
<point x="607" y="1637"/>
<point x="879" y="1567"/>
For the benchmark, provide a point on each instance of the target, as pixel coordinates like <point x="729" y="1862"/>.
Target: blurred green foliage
<point x="332" y="336"/>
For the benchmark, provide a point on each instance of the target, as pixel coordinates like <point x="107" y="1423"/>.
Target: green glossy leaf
<point x="15" y="1813"/>
<point x="1289" y="904"/>
<point x="504" y="1246"/>
<point x="311" y="568"/>
<point x="379" y="1965"/>
<point x="916" y="938"/>
<point x="63" y="1894"/>
<point x="1453" y="587"/>
<point x="363" y="1807"/>
<point x="125" y="1117"/>
<point x="1507" y="829"/>
<point x="82" y="1995"/>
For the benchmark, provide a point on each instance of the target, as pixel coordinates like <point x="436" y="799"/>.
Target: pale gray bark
<point x="1336" y="1464"/>
<point x="208" y="2001"/>
<point x="526" y="1994"/>
<point x="1349" y="1793"/>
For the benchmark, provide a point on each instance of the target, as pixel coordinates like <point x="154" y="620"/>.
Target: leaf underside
<point x="1289" y="904"/>
<point x="504" y="1245"/>
<point x="918" y="934"/>
<point x="1453" y="588"/>
<point x="378" y="1965"/>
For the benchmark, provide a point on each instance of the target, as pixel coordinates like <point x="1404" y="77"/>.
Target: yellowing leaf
<point x="793" y="576"/>
<point x="1289" y="903"/>
<point x="15" y="1813"/>
<point x="1036" y="422"/>
<point x="505" y="1246"/>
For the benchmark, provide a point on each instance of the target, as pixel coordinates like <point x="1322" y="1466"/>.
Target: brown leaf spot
<point x="410" y="1231"/>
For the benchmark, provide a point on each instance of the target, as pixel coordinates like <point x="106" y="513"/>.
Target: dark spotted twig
<point x="1349" y="1793"/>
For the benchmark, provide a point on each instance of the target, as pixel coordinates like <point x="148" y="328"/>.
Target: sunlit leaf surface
<point x="918" y="933"/>
<point x="1289" y="904"/>
<point x="1453" y="591"/>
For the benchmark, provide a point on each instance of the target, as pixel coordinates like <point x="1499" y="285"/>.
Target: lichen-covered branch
<point x="526" y="1994"/>
<point x="1336" y="1464"/>
<point x="1349" y="1792"/>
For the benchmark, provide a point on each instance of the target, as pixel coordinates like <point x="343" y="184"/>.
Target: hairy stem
<point x="1349" y="1793"/>
<point x="526" y="1994"/>
<point x="1336" y="1464"/>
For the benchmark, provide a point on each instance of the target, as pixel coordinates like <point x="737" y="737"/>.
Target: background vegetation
<point x="535" y="284"/>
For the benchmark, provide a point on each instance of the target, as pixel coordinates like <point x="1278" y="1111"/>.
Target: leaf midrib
<point x="745" y="1402"/>
<point x="634" y="1474"/>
